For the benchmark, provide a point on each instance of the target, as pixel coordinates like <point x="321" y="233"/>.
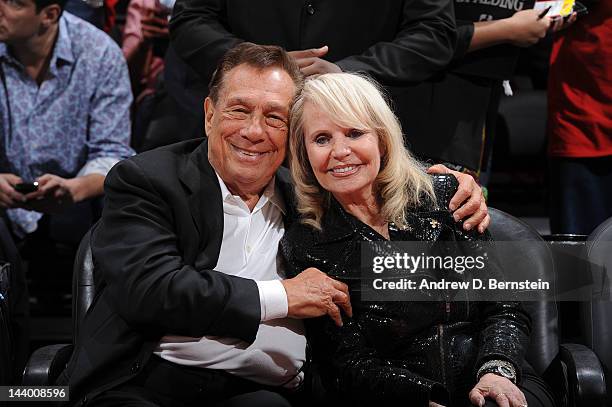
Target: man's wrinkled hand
<point x="310" y="61"/>
<point x="467" y="201"/>
<point x="313" y="293"/>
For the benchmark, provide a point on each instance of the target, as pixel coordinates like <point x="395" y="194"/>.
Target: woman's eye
<point x="354" y="133"/>
<point x="321" y="140"/>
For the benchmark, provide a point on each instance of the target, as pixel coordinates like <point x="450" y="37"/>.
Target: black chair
<point x="6" y="337"/>
<point x="573" y="371"/>
<point x="596" y="315"/>
<point x="46" y="363"/>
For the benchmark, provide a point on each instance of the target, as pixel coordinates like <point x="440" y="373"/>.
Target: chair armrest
<point x="585" y="377"/>
<point x="46" y="364"/>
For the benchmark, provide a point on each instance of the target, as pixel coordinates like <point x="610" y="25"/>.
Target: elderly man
<point x="191" y="308"/>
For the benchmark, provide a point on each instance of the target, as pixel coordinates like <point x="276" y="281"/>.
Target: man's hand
<point x="54" y="194"/>
<point x="310" y="61"/>
<point x="9" y="198"/>
<point x="155" y="24"/>
<point x="313" y="293"/>
<point x="503" y="391"/>
<point x="474" y="206"/>
<point x="526" y="28"/>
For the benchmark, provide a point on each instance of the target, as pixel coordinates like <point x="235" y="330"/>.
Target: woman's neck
<point x="367" y="209"/>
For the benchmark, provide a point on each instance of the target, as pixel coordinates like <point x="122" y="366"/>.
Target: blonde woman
<point x="355" y="182"/>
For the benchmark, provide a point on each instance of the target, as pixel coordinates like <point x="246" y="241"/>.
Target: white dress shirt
<point x="249" y="249"/>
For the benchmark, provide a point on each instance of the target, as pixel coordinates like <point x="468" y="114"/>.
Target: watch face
<point x="504" y="371"/>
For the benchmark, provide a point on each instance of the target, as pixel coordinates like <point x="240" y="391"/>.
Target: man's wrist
<point x="273" y="300"/>
<point x="87" y="186"/>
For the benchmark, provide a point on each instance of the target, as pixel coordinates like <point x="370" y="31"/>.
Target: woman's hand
<point x="497" y="388"/>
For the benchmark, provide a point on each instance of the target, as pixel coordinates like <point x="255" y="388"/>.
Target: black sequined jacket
<point x="401" y="352"/>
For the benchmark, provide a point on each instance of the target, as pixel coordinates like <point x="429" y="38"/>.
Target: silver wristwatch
<point x="498" y="367"/>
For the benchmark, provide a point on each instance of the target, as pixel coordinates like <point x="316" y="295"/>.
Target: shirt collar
<point x="63" y="45"/>
<point x="270" y="194"/>
<point x="62" y="49"/>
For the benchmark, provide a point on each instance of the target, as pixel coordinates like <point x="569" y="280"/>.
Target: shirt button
<point x="310" y="9"/>
<point x="248" y="248"/>
<point x="135" y="367"/>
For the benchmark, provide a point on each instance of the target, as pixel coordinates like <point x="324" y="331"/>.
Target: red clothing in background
<point x="144" y="72"/>
<point x="580" y="87"/>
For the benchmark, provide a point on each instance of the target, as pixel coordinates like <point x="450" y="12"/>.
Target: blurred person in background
<point x="64" y="122"/>
<point x="580" y="123"/>
<point x="145" y="41"/>
<point x="466" y="94"/>
<point x="401" y="43"/>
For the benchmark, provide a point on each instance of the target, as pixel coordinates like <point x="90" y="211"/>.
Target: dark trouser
<point x="162" y="383"/>
<point x="581" y="194"/>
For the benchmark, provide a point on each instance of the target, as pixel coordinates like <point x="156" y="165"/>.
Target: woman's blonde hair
<point x="356" y="102"/>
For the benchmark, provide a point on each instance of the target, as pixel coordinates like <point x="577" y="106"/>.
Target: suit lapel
<point x="204" y="199"/>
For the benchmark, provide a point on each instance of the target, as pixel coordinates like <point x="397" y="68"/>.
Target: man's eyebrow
<point x="277" y="107"/>
<point x="269" y="106"/>
<point x="237" y="101"/>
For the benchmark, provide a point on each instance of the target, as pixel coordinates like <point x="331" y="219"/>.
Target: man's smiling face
<point x="247" y="126"/>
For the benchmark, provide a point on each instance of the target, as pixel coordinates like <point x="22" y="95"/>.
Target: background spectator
<point x="580" y="123"/>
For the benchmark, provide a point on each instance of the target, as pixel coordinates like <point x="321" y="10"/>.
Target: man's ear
<point x="209" y="113"/>
<point x="50" y="15"/>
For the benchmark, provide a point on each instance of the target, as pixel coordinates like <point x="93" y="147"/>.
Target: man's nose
<point x="255" y="128"/>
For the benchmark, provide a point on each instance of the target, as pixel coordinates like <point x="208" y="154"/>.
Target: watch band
<point x="498" y="367"/>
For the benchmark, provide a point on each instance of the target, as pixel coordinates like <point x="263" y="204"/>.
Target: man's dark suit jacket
<point x="400" y="43"/>
<point x="154" y="251"/>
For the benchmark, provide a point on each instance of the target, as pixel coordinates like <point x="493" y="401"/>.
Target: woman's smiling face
<point x="345" y="161"/>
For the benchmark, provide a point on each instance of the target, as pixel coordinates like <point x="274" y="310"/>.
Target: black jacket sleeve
<point x="200" y="35"/>
<point x="137" y="255"/>
<point x="424" y="45"/>
<point x="504" y="326"/>
<point x="465" y="33"/>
